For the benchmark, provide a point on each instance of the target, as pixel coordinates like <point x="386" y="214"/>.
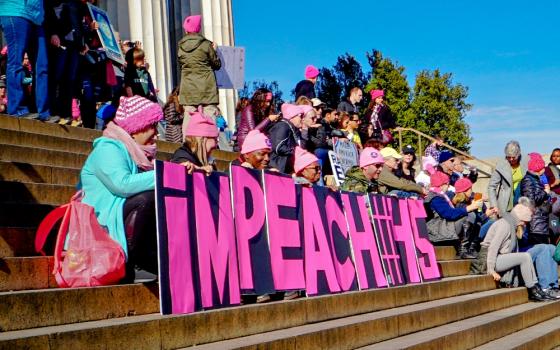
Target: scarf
<point x="438" y="190"/>
<point x="142" y="155"/>
<point x="375" y="116"/>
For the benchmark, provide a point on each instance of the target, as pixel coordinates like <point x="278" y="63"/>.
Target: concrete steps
<point x="545" y="335"/>
<point x="35" y="193"/>
<point x="170" y="332"/>
<point x="364" y="329"/>
<point x="472" y="332"/>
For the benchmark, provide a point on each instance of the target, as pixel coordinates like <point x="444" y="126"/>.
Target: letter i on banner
<point x="284" y="237"/>
<point x="217" y="253"/>
<point x="365" y="249"/>
<point x="177" y="255"/>
<point x="427" y="261"/>
<point x="383" y="228"/>
<point x="255" y="271"/>
<point x="402" y="234"/>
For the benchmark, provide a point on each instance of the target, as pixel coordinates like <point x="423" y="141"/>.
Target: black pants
<point x="141" y="236"/>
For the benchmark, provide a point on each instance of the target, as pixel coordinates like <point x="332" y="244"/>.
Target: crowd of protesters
<point x="54" y="68"/>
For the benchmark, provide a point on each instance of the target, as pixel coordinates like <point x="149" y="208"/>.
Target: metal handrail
<point x="432" y="139"/>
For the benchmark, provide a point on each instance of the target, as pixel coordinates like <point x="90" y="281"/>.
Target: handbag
<point x="85" y="255"/>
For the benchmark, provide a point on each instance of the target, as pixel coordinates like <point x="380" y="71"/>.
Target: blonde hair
<point x="197" y="145"/>
<point x="460" y="197"/>
<point x="304" y="100"/>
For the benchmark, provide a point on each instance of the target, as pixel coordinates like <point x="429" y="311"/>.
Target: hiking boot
<point x="537" y="294"/>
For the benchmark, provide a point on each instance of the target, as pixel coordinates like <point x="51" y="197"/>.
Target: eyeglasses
<point x="355" y="120"/>
<point x="316" y="168"/>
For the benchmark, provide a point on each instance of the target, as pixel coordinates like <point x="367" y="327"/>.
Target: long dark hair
<point x="258" y="104"/>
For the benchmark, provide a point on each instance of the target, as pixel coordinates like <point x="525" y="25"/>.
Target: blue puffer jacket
<point x="532" y="188"/>
<point x="32" y="10"/>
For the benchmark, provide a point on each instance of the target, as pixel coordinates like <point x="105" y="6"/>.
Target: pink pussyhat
<point x="306" y="108"/>
<point x="192" y="24"/>
<point x="429" y="164"/>
<point x="370" y="156"/>
<point x="536" y="163"/>
<point x="439" y="179"/>
<point x="254" y="141"/>
<point x="463" y="185"/>
<point x="136" y="113"/>
<point x="201" y="125"/>
<point x="290" y="111"/>
<point x="303" y="159"/>
<point x="311" y="72"/>
<point x="376" y="93"/>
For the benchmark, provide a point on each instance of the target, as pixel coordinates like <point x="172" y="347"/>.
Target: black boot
<point x="537" y="294"/>
<point x="465" y="243"/>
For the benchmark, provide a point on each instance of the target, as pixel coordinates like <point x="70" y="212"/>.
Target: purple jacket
<point x="247" y="123"/>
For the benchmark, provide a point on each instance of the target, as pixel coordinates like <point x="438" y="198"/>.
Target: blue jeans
<point x="546" y="267"/>
<point x="484" y="229"/>
<point x="24" y="36"/>
<point x="323" y="156"/>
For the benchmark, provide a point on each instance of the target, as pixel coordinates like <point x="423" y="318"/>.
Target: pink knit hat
<point x="303" y="159"/>
<point x="289" y="111"/>
<point x="439" y="179"/>
<point x="254" y="141"/>
<point x="192" y="24"/>
<point x="306" y="108"/>
<point x="376" y="93"/>
<point x="462" y="185"/>
<point x="370" y="156"/>
<point x="311" y="72"/>
<point x="136" y="113"/>
<point x="201" y="125"/>
<point x="536" y="163"/>
<point x="429" y="164"/>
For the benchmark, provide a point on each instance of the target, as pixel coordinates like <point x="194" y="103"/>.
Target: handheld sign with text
<point x="346" y="152"/>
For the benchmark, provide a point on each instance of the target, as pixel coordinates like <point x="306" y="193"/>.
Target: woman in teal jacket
<point x="118" y="181"/>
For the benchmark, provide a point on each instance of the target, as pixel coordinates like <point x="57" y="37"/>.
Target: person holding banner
<point x="255" y="152"/>
<point x="445" y="222"/>
<point x="389" y="183"/>
<point x="363" y="178"/>
<point x="285" y="135"/>
<point x="118" y="181"/>
<point x="307" y="170"/>
<point x="201" y="138"/>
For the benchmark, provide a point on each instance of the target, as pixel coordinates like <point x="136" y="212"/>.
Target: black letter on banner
<point x="425" y="250"/>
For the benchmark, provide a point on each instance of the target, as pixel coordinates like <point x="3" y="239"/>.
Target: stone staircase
<point x="39" y="165"/>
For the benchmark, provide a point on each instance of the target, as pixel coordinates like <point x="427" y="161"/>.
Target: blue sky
<point x="506" y="52"/>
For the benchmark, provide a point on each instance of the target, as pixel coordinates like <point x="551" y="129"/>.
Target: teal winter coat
<point x="32" y="10"/>
<point x="108" y="178"/>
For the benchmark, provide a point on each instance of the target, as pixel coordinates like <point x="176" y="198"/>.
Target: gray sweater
<point x="500" y="239"/>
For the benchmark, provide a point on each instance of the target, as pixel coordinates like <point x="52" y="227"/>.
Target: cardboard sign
<point x="338" y="172"/>
<point x="232" y="73"/>
<point x="257" y="232"/>
<point x="346" y="152"/>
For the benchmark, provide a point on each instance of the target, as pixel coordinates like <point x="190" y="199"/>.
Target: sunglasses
<point x="316" y="168"/>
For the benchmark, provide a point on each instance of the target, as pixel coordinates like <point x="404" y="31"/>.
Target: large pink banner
<point x="257" y="232"/>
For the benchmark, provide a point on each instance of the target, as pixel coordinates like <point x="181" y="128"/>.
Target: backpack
<point x="85" y="255"/>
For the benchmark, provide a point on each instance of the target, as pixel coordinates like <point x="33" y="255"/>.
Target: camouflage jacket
<point x="356" y="181"/>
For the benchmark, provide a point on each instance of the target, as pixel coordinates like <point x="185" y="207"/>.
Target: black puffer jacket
<point x="532" y="188"/>
<point x="284" y="137"/>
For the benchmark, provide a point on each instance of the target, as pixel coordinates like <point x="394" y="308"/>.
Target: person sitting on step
<point x="255" y="152"/>
<point x="118" y="181"/>
<point x="445" y="221"/>
<point x="500" y="249"/>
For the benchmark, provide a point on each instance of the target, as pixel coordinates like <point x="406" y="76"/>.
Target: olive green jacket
<point x="356" y="181"/>
<point x="198" y="61"/>
<point x="388" y="182"/>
